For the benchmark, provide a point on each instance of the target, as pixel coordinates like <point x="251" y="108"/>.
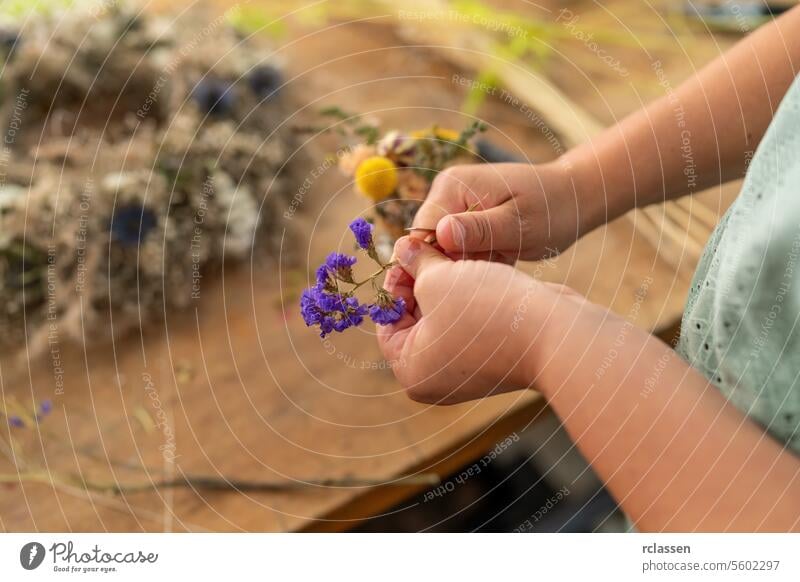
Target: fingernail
<point x="406" y="250"/>
<point x="458" y="232"/>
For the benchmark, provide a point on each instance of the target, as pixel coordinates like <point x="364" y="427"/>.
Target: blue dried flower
<point x="131" y="223"/>
<point x="327" y="306"/>
<point x="330" y="311"/>
<point x="16" y="421"/>
<point x="265" y="81"/>
<point x="340" y="266"/>
<point x="308" y="306"/>
<point x="387" y="309"/>
<point x="46" y="407"/>
<point x="363" y="233"/>
<point x="214" y="97"/>
<point x="324" y="280"/>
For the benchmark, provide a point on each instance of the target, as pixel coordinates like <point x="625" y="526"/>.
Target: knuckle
<point x="452" y="177"/>
<point x="481" y="232"/>
<point x="427" y="275"/>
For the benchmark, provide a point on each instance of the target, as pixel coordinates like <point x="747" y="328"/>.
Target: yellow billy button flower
<point x="438" y="132"/>
<point x="376" y="177"/>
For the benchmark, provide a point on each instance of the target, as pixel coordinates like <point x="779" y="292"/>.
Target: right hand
<point x="476" y="328"/>
<point x="523" y="211"/>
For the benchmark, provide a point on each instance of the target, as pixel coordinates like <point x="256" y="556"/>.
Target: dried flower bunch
<point x="331" y="307"/>
<point x="139" y="155"/>
<point x="395" y="171"/>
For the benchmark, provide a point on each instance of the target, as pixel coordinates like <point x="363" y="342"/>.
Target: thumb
<point x="487" y="230"/>
<point x="415" y="255"/>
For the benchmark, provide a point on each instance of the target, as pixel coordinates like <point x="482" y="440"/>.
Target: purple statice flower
<point x="387" y="309"/>
<point x="340" y="266"/>
<point x="363" y="233"/>
<point x="309" y="309"/>
<point x="330" y="311"/>
<point x="324" y="279"/>
<point x="16" y="421"/>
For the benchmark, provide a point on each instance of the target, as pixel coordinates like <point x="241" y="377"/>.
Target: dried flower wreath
<point x="139" y="155"/>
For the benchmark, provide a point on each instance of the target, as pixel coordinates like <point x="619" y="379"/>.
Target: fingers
<point x="392" y="338"/>
<point x="497" y="228"/>
<point x="400" y="284"/>
<point x="415" y="256"/>
<point x="445" y="197"/>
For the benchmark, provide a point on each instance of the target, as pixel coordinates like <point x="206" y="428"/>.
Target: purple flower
<point x="308" y="306"/>
<point x="330" y="311"/>
<point x="16" y="421"/>
<point x="46" y="407"/>
<point x="363" y="233"/>
<point x="324" y="280"/>
<point x="387" y="309"/>
<point x="340" y="266"/>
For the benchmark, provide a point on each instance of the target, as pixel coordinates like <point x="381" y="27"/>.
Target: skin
<point x="670" y="448"/>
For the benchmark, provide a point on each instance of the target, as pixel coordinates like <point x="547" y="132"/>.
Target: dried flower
<point x="330" y="311"/>
<point x="436" y="132"/>
<point x="46" y="407"/>
<point x="350" y="160"/>
<point x="131" y="223"/>
<point x="387" y="309"/>
<point x="330" y="308"/>
<point x="341" y="266"/>
<point x="411" y="185"/>
<point x="16" y="421"/>
<point x="265" y="81"/>
<point x="397" y="147"/>
<point x="376" y="177"/>
<point x="363" y="233"/>
<point x="214" y="97"/>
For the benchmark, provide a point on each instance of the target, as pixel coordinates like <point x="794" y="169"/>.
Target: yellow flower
<point x="437" y="132"/>
<point x="376" y="177"/>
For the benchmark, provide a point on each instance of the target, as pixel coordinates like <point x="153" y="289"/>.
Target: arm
<point x="671" y="449"/>
<point x="697" y="136"/>
<point x="673" y="452"/>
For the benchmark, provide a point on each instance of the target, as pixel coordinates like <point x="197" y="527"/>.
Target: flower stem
<point x="373" y="276"/>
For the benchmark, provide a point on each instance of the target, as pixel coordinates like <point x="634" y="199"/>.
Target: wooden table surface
<point x="242" y="389"/>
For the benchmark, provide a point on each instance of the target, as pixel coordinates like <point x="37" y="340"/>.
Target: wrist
<point x="600" y="194"/>
<point x="538" y="321"/>
<point x="565" y="326"/>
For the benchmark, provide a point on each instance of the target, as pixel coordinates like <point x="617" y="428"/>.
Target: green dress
<point x="741" y="327"/>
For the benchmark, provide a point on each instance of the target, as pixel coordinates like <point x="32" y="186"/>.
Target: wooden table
<point x="243" y="389"/>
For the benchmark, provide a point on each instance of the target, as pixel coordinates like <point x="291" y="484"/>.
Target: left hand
<point x="471" y="328"/>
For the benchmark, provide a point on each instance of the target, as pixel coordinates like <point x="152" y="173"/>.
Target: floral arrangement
<point x="158" y="165"/>
<point x="395" y="171"/>
<point x="331" y="308"/>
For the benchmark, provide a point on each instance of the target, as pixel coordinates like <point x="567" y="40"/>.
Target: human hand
<point x="471" y="328"/>
<point x="520" y="211"/>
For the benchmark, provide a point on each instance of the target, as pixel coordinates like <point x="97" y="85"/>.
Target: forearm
<point x="697" y="136"/>
<point x="674" y="453"/>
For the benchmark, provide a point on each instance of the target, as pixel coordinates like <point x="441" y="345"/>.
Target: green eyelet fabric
<point x="741" y="326"/>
